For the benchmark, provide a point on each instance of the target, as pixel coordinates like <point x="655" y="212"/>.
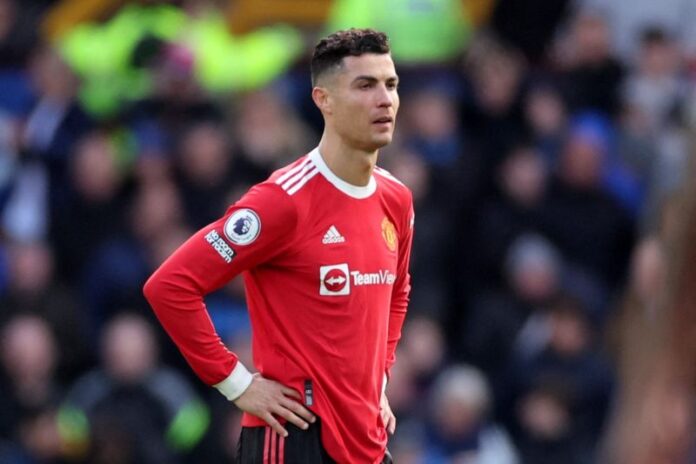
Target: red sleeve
<point x="402" y="287"/>
<point x="252" y="231"/>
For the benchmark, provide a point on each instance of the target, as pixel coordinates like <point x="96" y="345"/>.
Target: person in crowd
<point x="653" y="135"/>
<point x="30" y="391"/>
<point x="265" y="130"/>
<point x="587" y="224"/>
<point x="519" y="208"/>
<point x="34" y="290"/>
<point x="546" y="117"/>
<point x="590" y="73"/>
<point x="95" y="204"/>
<point x="133" y="409"/>
<point x="544" y="413"/>
<point x="570" y="357"/>
<point x="462" y="430"/>
<point x="46" y="137"/>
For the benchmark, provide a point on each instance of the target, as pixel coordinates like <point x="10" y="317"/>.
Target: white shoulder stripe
<point x="289" y="182"/>
<point x="292" y="171"/>
<point x="387" y="174"/>
<point x="313" y="172"/>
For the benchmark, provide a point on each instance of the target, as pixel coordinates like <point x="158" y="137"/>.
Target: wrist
<point x="235" y="384"/>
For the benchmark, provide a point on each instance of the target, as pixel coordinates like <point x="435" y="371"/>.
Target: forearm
<point x="397" y="315"/>
<point x="182" y="313"/>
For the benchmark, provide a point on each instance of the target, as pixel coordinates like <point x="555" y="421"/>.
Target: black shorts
<point x="262" y="445"/>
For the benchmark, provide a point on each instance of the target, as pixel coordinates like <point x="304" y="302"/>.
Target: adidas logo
<point x="333" y="236"/>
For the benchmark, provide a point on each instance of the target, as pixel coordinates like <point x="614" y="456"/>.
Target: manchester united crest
<point x="389" y="234"/>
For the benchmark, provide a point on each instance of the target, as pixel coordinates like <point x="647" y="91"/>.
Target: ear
<point x="322" y="99"/>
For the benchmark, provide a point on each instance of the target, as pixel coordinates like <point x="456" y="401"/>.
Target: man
<point x="324" y="244"/>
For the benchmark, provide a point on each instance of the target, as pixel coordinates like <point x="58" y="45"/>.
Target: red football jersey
<point x="326" y="274"/>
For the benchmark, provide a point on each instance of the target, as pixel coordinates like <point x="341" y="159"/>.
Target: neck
<point x="349" y="164"/>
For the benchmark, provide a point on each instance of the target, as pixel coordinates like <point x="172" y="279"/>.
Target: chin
<point x="382" y="141"/>
<point x="373" y="143"/>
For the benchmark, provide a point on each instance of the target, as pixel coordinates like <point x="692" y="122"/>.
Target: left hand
<point x="387" y="415"/>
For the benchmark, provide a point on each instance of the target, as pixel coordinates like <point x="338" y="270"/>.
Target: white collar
<point x="355" y="191"/>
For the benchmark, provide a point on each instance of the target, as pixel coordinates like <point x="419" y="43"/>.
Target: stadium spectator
<point x="433" y="125"/>
<point x="424" y="347"/>
<point x="204" y="171"/>
<point x="569" y="358"/>
<point x="591" y="229"/>
<point x="628" y="20"/>
<point x="34" y="290"/>
<point x="591" y="74"/>
<point x="95" y="203"/>
<point x="519" y="208"/>
<point x="530" y="25"/>
<point x="30" y="391"/>
<point x="431" y="259"/>
<point x="653" y="139"/>
<point x="506" y="316"/>
<point x="439" y="158"/>
<point x="49" y="132"/>
<point x="133" y="409"/>
<point x="461" y="430"/>
<point x="546" y="434"/>
<point x="491" y="107"/>
<point x="266" y="129"/>
<point x="546" y="117"/>
<point x="656" y="87"/>
<point x="18" y="32"/>
<point x="120" y="262"/>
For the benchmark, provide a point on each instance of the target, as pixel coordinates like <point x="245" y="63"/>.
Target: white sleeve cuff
<point x="236" y="383"/>
<point x="384" y="383"/>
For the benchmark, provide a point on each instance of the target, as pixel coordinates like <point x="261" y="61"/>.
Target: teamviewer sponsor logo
<point x="383" y="277"/>
<point x="334" y="280"/>
<point x="337" y="279"/>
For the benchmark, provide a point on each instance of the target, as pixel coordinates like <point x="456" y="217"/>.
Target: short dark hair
<point x="654" y="35"/>
<point x="331" y="50"/>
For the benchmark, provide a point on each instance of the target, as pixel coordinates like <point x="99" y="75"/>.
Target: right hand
<point x="265" y="398"/>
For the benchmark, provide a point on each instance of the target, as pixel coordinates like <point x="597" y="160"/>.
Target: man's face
<point x="363" y="101"/>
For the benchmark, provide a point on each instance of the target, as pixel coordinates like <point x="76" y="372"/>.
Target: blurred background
<point x="546" y="144"/>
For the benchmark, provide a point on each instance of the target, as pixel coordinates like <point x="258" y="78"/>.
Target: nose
<point x="385" y="97"/>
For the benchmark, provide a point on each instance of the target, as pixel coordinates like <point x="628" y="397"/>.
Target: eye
<point x="365" y="85"/>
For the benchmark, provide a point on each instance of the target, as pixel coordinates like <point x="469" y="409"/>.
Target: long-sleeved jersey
<point x="326" y="275"/>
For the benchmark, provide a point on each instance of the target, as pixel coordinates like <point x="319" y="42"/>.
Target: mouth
<point x="384" y="120"/>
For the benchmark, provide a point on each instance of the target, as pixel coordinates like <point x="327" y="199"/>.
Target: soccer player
<point x="324" y="245"/>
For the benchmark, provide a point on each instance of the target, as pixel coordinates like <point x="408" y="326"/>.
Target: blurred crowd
<point x="544" y="142"/>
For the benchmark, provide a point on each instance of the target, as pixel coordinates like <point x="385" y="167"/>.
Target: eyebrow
<point x="373" y="79"/>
